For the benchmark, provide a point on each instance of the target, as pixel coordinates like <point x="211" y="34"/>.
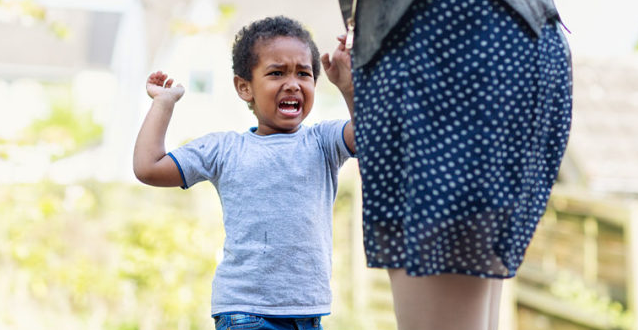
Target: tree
<point x="27" y="12"/>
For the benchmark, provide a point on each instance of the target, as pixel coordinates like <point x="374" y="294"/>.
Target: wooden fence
<point x="580" y="271"/>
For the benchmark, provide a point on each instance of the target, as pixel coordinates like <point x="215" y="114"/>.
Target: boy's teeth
<point x="290" y="106"/>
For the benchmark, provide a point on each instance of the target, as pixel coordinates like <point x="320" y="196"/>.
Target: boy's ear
<point x="243" y="88"/>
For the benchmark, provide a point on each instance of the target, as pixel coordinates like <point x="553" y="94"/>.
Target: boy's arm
<point x="151" y="164"/>
<point x="339" y="73"/>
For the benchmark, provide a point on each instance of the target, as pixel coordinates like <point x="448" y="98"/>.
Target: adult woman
<point x="462" y="114"/>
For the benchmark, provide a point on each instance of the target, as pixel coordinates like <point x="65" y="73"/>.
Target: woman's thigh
<point x="441" y="302"/>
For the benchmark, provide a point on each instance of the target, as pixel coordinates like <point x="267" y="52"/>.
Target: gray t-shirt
<point x="277" y="193"/>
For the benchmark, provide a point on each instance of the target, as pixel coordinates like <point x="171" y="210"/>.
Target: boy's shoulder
<point x="328" y="127"/>
<point x="213" y="140"/>
<point x="221" y="135"/>
<point x="330" y="123"/>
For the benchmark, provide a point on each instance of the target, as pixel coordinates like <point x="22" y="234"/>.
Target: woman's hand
<point x="339" y="69"/>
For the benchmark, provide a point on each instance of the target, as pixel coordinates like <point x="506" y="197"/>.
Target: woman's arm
<point x="339" y="73"/>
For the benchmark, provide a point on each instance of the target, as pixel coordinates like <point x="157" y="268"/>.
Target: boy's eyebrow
<point x="280" y="66"/>
<point x="275" y="66"/>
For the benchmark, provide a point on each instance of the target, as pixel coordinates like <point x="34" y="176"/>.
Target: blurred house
<point x="103" y="58"/>
<point x="602" y="155"/>
<point x="109" y="51"/>
<point x="581" y="270"/>
<point x="106" y="55"/>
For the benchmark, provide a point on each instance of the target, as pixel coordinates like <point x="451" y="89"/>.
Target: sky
<point x="600" y="27"/>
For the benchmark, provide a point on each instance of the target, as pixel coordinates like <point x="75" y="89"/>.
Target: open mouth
<point x="290" y="106"/>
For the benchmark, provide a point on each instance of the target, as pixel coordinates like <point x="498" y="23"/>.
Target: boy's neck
<point x="265" y="132"/>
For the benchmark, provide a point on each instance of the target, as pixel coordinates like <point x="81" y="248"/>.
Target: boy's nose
<point x="292" y="85"/>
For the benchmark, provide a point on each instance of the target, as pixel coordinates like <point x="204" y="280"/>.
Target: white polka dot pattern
<point x="461" y="124"/>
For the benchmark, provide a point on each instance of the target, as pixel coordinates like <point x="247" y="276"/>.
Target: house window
<point x="201" y="82"/>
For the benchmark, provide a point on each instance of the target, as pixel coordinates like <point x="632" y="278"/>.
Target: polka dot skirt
<point x="461" y="124"/>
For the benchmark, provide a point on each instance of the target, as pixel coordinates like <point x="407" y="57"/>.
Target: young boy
<point x="277" y="181"/>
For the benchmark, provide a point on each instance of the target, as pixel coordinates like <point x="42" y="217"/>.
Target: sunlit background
<point x="83" y="245"/>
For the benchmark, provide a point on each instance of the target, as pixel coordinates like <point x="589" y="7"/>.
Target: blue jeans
<point x="252" y="322"/>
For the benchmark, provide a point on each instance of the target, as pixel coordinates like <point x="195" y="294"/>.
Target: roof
<point x="32" y="48"/>
<point x="603" y="146"/>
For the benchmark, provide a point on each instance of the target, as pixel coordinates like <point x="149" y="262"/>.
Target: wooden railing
<point x="372" y="296"/>
<point x="581" y="266"/>
<point x="580" y="270"/>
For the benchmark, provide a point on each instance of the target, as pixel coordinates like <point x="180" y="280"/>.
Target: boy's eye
<point x="305" y="74"/>
<point x="275" y="73"/>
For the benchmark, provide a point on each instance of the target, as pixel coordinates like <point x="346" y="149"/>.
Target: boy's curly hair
<point x="244" y="56"/>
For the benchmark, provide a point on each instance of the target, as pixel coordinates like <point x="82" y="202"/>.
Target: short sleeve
<point x="200" y="159"/>
<point x="333" y="142"/>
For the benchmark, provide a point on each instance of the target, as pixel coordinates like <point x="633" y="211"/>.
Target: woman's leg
<point x="443" y="302"/>
<point x="496" y="287"/>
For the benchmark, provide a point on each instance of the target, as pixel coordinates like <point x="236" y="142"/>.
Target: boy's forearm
<point x="348" y="133"/>
<point x="149" y="147"/>
<point x="348" y="96"/>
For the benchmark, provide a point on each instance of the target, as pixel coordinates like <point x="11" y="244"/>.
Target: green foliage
<point x="65" y="131"/>
<point x="189" y="28"/>
<point x="343" y="314"/>
<point x="227" y="10"/>
<point x="576" y="293"/>
<point x="60" y="30"/>
<point x="126" y="257"/>
<point x="30" y="10"/>
<point x="140" y="258"/>
<point x="63" y="127"/>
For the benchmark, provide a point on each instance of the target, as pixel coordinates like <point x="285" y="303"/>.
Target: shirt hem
<point x="282" y="312"/>
<point x="181" y="172"/>
<point x="343" y="139"/>
<point x="292" y="316"/>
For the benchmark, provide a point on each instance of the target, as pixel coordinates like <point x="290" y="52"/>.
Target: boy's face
<point x="282" y="90"/>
